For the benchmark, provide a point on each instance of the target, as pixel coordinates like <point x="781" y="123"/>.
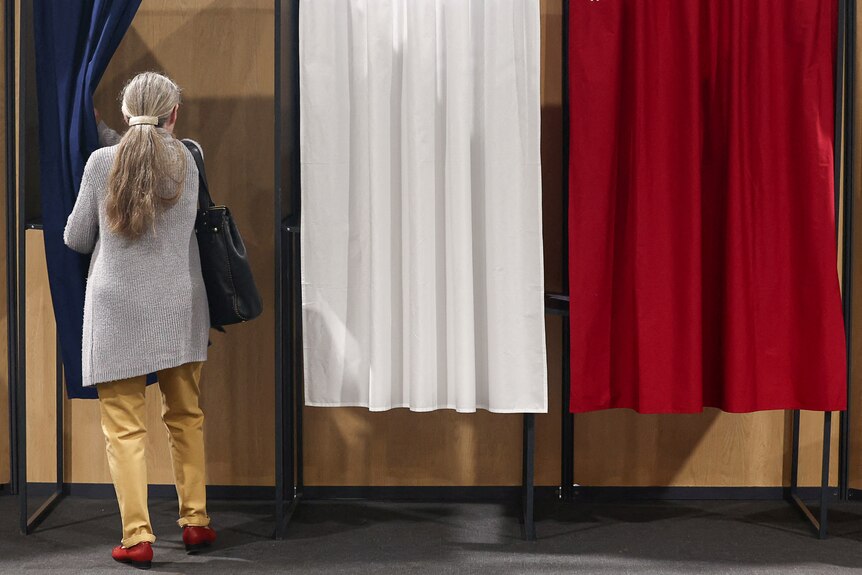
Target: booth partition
<point x="240" y="69"/>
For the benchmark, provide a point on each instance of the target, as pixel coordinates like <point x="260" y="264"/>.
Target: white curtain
<point x="421" y="205"/>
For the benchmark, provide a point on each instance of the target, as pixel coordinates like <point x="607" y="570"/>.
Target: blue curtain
<point x="74" y="43"/>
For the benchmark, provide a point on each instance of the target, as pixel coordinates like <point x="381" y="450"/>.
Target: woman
<point x="145" y="309"/>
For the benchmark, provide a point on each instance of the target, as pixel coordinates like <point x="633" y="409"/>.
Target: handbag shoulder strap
<point x="204" y="199"/>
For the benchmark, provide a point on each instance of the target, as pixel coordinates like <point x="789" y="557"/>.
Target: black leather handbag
<point x="231" y="293"/>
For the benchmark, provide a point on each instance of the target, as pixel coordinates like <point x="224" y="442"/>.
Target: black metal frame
<point x="290" y="490"/>
<point x="279" y="420"/>
<point x="558" y="304"/>
<point x="820" y="523"/>
<point x="567" y="424"/>
<point x="11" y="238"/>
<point x="847" y="126"/>
<point x="16" y="279"/>
<point x="845" y="62"/>
<point x="843" y="146"/>
<point x="288" y="469"/>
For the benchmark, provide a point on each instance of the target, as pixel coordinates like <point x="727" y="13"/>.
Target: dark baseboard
<point x="455" y="494"/>
<point x="216" y="492"/>
<point x="248" y="492"/>
<point x="585" y="493"/>
<point x="580" y="493"/>
<point x="452" y="494"/>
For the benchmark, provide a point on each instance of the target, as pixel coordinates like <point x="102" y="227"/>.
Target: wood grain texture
<point x="41" y="335"/>
<point x="714" y="449"/>
<point x="351" y="446"/>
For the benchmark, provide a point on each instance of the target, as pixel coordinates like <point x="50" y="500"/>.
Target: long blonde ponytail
<point x="147" y="162"/>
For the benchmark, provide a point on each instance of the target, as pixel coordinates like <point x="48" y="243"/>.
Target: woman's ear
<point x="174" y="112"/>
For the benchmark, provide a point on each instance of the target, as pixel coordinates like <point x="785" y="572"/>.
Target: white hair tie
<point x="149" y="120"/>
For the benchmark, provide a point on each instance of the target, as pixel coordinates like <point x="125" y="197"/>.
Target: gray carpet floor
<point x="383" y="538"/>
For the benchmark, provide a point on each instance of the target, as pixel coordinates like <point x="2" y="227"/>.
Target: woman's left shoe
<point x="140" y="555"/>
<point x="197" y="538"/>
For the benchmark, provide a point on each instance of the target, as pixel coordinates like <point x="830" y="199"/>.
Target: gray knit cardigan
<point x="145" y="307"/>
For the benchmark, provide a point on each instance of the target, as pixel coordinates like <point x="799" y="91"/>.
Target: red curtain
<point x="701" y="224"/>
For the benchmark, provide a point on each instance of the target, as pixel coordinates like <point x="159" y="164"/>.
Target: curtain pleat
<point x="74" y="43"/>
<point x="421" y="205"/>
<point x="702" y="233"/>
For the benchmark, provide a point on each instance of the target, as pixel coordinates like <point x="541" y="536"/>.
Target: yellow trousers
<point x="123" y="408"/>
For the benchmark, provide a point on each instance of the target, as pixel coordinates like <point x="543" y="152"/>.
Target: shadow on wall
<point x="635" y="446"/>
<point x="222" y="55"/>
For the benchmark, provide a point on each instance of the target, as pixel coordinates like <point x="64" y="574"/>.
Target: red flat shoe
<point x="140" y="555"/>
<point x="197" y="538"/>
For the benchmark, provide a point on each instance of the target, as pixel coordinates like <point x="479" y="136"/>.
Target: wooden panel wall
<point x="41" y="335"/>
<point x="222" y="56"/>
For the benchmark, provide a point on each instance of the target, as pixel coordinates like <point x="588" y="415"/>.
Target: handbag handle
<point x="204" y="199"/>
